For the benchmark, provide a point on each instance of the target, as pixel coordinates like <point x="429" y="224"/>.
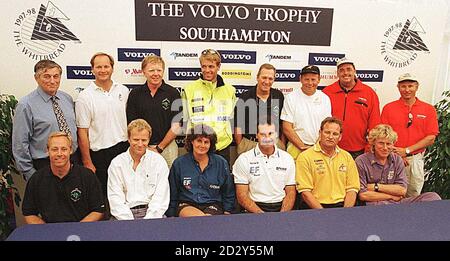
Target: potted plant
<point x="437" y="158"/>
<point x="7" y="190"/>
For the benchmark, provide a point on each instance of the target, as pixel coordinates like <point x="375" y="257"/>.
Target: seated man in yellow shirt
<point x="326" y="175"/>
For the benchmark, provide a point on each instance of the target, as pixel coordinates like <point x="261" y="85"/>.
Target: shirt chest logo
<point x="280" y="169"/>
<point x="165" y="104"/>
<point x="390" y="174"/>
<point x="320" y="166"/>
<point x="275" y="110"/>
<point x="254" y="171"/>
<point x="198" y="109"/>
<point x="342" y="168"/>
<point x="212" y="186"/>
<point x="75" y="195"/>
<point x="421" y="116"/>
<point x="187" y="182"/>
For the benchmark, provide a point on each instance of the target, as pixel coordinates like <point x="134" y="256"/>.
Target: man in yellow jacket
<point x="210" y="101"/>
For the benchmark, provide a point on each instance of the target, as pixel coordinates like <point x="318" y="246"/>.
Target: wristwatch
<point x="158" y="149"/>
<point x="408" y="152"/>
<point x="376" y="187"/>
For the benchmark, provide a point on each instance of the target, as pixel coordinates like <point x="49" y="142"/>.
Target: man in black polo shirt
<point x="62" y="192"/>
<point x="257" y="102"/>
<point x="153" y="102"/>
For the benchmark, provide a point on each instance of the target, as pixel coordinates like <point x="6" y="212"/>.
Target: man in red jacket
<point x="356" y="104"/>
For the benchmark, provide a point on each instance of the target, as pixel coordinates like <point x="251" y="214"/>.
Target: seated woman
<point x="382" y="172"/>
<point x="200" y="181"/>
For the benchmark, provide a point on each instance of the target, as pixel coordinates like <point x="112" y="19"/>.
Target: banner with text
<point x="231" y="22"/>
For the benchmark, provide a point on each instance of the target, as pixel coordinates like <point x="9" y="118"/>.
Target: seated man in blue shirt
<point x="200" y="181"/>
<point x="382" y="172"/>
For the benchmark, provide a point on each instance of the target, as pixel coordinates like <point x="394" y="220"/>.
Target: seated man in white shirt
<point x="265" y="175"/>
<point x="138" y="185"/>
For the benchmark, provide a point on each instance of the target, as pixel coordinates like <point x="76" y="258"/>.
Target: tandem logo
<point x="271" y="57"/>
<point x="370" y="75"/>
<point x="184" y="74"/>
<point x="238" y="57"/>
<point x="287" y="75"/>
<point x="79" y="72"/>
<point x="324" y="58"/>
<point x="176" y="55"/>
<point x="135" y="54"/>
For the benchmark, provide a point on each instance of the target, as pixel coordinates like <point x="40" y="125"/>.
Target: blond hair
<point x="152" y="59"/>
<point x="211" y="55"/>
<point x="59" y="134"/>
<point x="140" y="125"/>
<point x="382" y="131"/>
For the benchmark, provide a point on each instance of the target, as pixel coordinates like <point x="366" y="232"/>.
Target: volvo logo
<point x="324" y="58"/>
<point x="79" y="72"/>
<point x="246" y="57"/>
<point x="135" y="54"/>
<point x="184" y="74"/>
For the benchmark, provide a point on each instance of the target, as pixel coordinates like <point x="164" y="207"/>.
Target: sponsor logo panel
<point x="237" y="74"/>
<point x="135" y="54"/>
<point x="245" y="57"/>
<point x="184" y="74"/>
<point x="370" y="75"/>
<point x="329" y="59"/>
<point x="287" y="75"/>
<point x="79" y="72"/>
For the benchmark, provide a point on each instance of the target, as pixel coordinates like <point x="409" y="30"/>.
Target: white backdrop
<point x="359" y="29"/>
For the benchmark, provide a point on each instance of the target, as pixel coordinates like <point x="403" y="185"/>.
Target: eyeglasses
<point x="410" y="119"/>
<point x="210" y="51"/>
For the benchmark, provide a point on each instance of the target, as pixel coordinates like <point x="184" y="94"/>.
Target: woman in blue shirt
<point x="200" y="181"/>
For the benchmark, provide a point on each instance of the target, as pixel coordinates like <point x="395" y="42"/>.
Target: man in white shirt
<point x="303" y="111"/>
<point x="265" y="176"/>
<point x="101" y="119"/>
<point x="138" y="185"/>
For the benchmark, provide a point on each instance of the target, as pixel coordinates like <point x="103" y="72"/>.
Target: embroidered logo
<point x="75" y="195"/>
<point x="342" y="168"/>
<point x="165" y="104"/>
<point x="187" y="183"/>
<point x="390" y="174"/>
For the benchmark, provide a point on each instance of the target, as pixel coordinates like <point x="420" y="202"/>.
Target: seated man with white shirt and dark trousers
<point x="138" y="184"/>
<point x="265" y="176"/>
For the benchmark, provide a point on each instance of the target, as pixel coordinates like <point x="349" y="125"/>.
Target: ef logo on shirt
<point x="187" y="183"/>
<point x="254" y="170"/>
